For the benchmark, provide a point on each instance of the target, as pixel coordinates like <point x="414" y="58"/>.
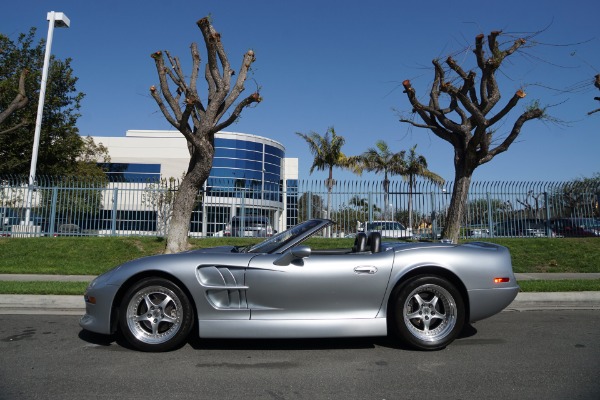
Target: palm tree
<point x="381" y="159"/>
<point x="327" y="151"/>
<point x="416" y="165"/>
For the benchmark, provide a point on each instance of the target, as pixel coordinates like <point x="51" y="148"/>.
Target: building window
<point x="292" y="202"/>
<point x="245" y="169"/>
<point x="129" y="172"/>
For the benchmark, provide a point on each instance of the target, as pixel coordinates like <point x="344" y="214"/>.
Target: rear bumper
<point x="487" y="302"/>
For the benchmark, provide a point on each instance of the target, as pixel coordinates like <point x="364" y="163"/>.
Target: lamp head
<point x="60" y="19"/>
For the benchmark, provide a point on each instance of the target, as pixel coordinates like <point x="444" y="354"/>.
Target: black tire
<point x="428" y="312"/>
<point x="155" y="315"/>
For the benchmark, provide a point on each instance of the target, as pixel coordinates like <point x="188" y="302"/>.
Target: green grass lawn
<point x="575" y="285"/>
<point x="553" y="255"/>
<point x="95" y="255"/>
<point x="43" y="288"/>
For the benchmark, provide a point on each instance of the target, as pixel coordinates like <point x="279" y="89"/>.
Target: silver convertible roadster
<point x="421" y="293"/>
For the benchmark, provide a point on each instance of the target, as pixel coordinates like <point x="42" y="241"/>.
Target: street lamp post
<point x="59" y="20"/>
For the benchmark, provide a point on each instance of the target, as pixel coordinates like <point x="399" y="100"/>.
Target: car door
<point x="328" y="286"/>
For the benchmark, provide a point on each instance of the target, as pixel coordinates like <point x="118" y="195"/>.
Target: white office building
<point x="250" y="175"/>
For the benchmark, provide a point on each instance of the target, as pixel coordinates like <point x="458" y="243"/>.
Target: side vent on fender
<point x="224" y="286"/>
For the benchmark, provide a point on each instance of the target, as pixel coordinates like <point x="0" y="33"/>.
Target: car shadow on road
<point x="270" y="344"/>
<point x="283" y="344"/>
<point x="468" y="331"/>
<point x="107" y="341"/>
<point x="96" y="338"/>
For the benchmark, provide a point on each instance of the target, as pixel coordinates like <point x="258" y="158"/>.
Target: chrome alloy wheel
<point x="430" y="313"/>
<point x="154" y="314"/>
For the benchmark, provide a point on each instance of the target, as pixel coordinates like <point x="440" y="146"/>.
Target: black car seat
<point x="374" y="242"/>
<point x="360" y="242"/>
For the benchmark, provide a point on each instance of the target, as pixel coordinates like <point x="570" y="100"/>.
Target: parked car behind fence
<point x="250" y="226"/>
<point x="576" y="227"/>
<point x="388" y="229"/>
<point x="524" y="228"/>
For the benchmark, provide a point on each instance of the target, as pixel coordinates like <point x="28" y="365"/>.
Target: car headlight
<point x="101" y="279"/>
<point x="92" y="284"/>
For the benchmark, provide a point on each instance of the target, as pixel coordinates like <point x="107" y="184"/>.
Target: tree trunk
<point x="185" y="201"/>
<point x="386" y="199"/>
<point x="329" y="183"/>
<point x="460" y="191"/>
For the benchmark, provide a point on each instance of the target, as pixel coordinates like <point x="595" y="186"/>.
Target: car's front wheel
<point x="428" y="312"/>
<point x="155" y="315"/>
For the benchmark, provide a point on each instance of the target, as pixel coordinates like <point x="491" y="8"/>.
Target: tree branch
<point x="519" y="94"/>
<point x="211" y="39"/>
<point x="469" y="79"/>
<point x="526" y="116"/>
<point x="164" y="87"/>
<point x="253" y="98"/>
<point x="19" y="102"/>
<point x="430" y="120"/>
<point x="597" y="84"/>
<point x="238" y="88"/>
<point x="194" y="78"/>
<point x="14" y="128"/>
<point x="479" y="52"/>
<point x="413" y="123"/>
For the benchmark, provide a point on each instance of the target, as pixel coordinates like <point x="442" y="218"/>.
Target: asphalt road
<point x="513" y="355"/>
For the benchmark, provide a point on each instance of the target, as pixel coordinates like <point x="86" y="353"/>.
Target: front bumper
<point x="99" y="313"/>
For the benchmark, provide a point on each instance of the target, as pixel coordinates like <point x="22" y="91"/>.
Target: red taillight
<point x="501" y="280"/>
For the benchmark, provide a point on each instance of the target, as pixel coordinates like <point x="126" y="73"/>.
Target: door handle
<point x="365" y="270"/>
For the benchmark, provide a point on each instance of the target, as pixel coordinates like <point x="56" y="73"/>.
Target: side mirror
<point x="293" y="254"/>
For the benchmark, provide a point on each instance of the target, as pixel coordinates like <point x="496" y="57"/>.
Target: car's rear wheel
<point x="155" y="315"/>
<point x="428" y="312"/>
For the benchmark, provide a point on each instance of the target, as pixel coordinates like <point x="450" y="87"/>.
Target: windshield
<point x="281" y="239"/>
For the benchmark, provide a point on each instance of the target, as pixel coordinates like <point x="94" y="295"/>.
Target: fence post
<point x="490" y="215"/>
<point x="433" y="217"/>
<point x="242" y="228"/>
<point x="53" y="211"/>
<point x="205" y="216"/>
<point x="309" y="205"/>
<point x="547" y="207"/>
<point x="370" y="208"/>
<point x="114" y="212"/>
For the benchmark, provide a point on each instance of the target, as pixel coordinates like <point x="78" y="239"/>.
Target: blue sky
<point x="341" y="63"/>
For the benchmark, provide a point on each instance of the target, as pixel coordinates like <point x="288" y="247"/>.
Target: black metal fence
<point x="79" y="206"/>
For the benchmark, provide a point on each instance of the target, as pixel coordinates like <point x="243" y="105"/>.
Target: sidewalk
<point x="74" y="305"/>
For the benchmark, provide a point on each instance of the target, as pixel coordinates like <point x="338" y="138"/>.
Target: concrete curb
<point x="47" y="278"/>
<point x="526" y="301"/>
<point x="35" y="304"/>
<point x="556" y="276"/>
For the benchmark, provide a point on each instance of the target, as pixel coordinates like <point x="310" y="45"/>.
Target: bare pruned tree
<point x="459" y="111"/>
<point x="597" y="84"/>
<point x="198" y="121"/>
